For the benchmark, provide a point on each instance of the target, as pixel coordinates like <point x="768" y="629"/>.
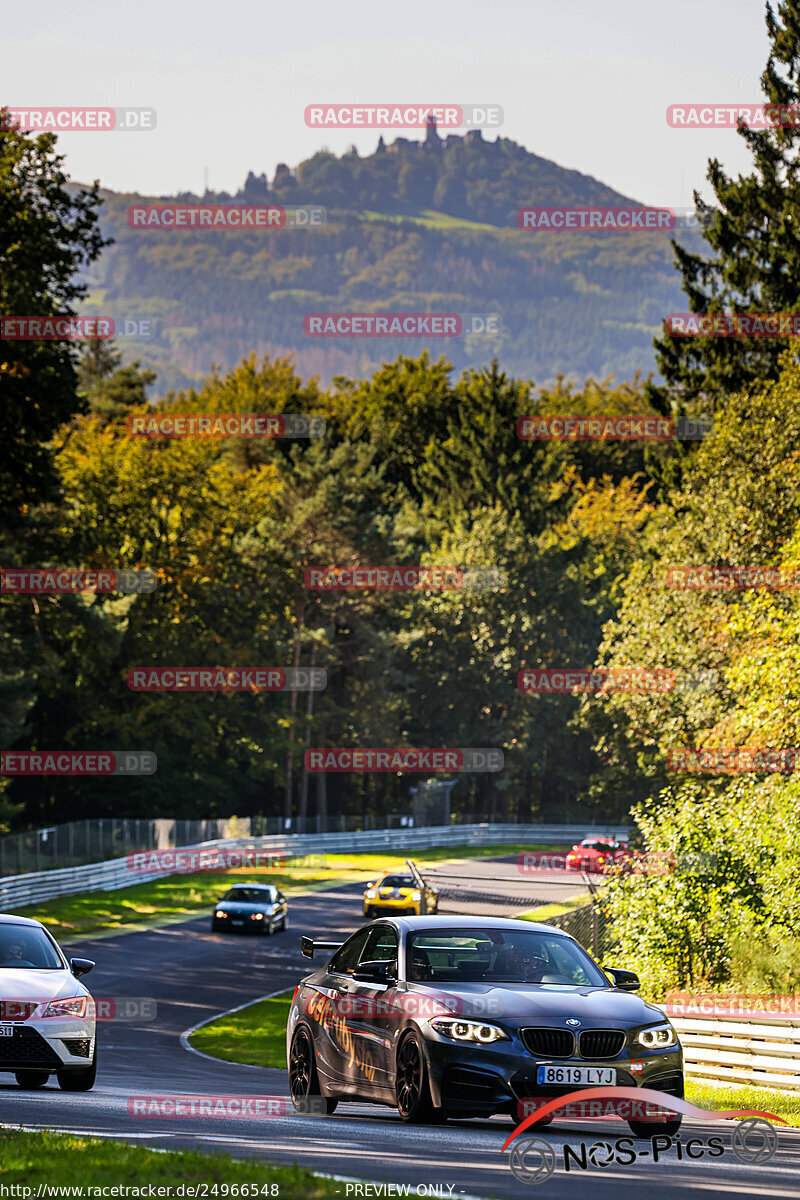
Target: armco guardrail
<point x="764" y="1051"/>
<point x="17" y="891"/>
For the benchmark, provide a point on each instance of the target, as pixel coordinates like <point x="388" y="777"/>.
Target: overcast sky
<point x="580" y="82"/>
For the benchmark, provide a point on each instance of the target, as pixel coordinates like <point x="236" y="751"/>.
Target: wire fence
<point x="104" y="838"/>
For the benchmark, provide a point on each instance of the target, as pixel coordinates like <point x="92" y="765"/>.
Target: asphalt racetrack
<point x="193" y="974"/>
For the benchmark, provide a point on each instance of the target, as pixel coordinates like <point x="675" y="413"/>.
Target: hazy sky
<point x="581" y="82"/>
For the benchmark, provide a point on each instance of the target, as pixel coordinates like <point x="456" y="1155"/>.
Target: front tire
<point x="31" y="1079"/>
<point x="304" y="1087"/>
<point x="516" y="1118"/>
<point x="412" y="1088"/>
<point x="80" y="1080"/>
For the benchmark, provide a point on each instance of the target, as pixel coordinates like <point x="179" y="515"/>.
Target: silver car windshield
<point x="27" y="948"/>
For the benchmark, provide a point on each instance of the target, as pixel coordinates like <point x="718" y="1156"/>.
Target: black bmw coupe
<point x="468" y="1017"/>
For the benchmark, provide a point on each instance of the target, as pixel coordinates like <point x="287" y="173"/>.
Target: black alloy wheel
<point x="412" y="1088"/>
<point x="303" y="1079"/>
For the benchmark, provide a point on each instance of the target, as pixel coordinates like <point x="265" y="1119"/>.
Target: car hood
<point x="527" y="1004"/>
<point x="239" y="906"/>
<point x="29" y="984"/>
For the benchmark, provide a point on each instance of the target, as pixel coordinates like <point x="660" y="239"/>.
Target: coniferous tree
<point x="753" y="233"/>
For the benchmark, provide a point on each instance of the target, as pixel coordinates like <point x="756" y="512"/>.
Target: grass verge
<point x="56" y="1158"/>
<point x="554" y="910"/>
<point x="708" y="1095"/>
<point x="178" y="897"/>
<point x="256" y="1034"/>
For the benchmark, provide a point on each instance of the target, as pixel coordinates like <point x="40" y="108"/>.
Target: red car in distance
<point x="597" y="855"/>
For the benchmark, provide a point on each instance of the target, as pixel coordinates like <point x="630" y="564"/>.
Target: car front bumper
<point x="403" y="904"/>
<point x="241" y="923"/>
<point x="482" y="1080"/>
<point x="47" y="1045"/>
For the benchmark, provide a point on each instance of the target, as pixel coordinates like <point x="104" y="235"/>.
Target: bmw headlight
<point x="66" y="1008"/>
<point x="220" y="913"/>
<point x="256" y="916"/>
<point x="468" y="1031"/>
<point x="659" y="1037"/>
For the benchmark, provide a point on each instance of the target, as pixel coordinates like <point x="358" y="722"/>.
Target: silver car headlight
<point x="371" y="893"/>
<point x="468" y="1031"/>
<point x="659" y="1037"/>
<point x="66" y="1008"/>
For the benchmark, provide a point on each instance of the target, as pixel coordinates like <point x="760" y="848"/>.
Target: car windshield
<point x="398" y="881"/>
<point x="250" y="895"/>
<point x="26" y="947"/>
<point x="595" y="846"/>
<point x="499" y="956"/>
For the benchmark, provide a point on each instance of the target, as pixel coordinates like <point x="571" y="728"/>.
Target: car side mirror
<point x="377" y="971"/>
<point x="80" y="966"/>
<point x="626" y="981"/>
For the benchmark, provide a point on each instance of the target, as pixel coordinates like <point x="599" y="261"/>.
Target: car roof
<point x="440" y="921"/>
<point x="11" y="919"/>
<point x="252" y="885"/>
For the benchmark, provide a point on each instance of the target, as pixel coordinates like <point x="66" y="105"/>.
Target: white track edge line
<point x="187" y="1033"/>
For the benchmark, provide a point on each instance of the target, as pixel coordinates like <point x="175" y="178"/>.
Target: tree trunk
<point x="299" y="609"/>
<point x="307" y="744"/>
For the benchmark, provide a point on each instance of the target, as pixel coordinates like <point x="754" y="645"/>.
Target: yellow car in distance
<point x="398" y="894"/>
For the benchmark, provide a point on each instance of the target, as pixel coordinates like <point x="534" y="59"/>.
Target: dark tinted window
<point x="347" y="958"/>
<point x="398" y="881"/>
<point x="500" y="956"/>
<point x="381" y="945"/>
<point x="250" y="895"/>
